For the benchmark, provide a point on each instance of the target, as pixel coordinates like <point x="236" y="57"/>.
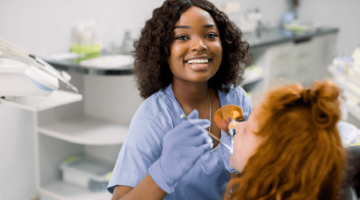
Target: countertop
<point x="267" y="38"/>
<point x="71" y="66"/>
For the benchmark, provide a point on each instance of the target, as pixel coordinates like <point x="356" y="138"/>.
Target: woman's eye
<point x="181" y="37"/>
<point x="211" y="35"/>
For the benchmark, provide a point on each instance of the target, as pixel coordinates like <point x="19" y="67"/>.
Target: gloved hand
<point x="182" y="147"/>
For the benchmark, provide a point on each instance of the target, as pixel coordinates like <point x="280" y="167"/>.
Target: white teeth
<point x="200" y="61"/>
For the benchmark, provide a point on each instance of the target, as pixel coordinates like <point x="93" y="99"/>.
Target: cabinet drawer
<point x="306" y="72"/>
<point x="281" y="70"/>
<point x="281" y="53"/>
<point x="281" y="61"/>
<point x="308" y="51"/>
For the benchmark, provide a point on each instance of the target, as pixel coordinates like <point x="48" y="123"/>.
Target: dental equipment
<point x="23" y="74"/>
<point x="183" y="116"/>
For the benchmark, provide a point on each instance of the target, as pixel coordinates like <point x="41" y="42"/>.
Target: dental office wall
<point x="43" y="27"/>
<point x="343" y="14"/>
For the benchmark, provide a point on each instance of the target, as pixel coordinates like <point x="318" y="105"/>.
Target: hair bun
<point x="325" y="107"/>
<point x="308" y="95"/>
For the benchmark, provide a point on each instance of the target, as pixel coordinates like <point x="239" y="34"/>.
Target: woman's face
<point x="245" y="142"/>
<point x="196" y="52"/>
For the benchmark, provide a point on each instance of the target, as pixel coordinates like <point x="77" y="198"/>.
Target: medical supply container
<point x="86" y="173"/>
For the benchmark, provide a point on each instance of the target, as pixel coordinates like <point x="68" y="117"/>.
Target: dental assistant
<point x="189" y="60"/>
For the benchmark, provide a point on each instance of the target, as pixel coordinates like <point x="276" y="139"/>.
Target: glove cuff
<point x="160" y="178"/>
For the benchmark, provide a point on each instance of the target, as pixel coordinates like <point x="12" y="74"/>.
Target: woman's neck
<point x="191" y="95"/>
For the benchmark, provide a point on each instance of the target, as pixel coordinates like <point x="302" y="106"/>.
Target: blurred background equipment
<point x="86" y="173"/>
<point x="346" y="73"/>
<point x="23" y="74"/>
<point x="83" y="40"/>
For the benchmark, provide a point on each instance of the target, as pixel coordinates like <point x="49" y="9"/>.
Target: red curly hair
<point x="300" y="156"/>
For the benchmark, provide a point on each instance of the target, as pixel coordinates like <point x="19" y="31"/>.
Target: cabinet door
<point x="281" y="64"/>
<point x="328" y="52"/>
<point x="307" y="56"/>
<point x="303" y="61"/>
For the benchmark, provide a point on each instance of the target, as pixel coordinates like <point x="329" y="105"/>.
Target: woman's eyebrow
<point x="189" y="27"/>
<point x="186" y="27"/>
<point x="209" y="26"/>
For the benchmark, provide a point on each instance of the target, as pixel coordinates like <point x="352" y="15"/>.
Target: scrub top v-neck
<point x="156" y="116"/>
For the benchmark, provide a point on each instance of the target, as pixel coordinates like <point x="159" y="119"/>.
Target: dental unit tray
<point x="23" y="74"/>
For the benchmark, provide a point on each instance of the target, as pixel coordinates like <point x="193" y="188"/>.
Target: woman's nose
<point x="198" y="45"/>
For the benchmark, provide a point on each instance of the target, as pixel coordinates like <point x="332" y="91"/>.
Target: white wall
<point x="44" y="26"/>
<point x="344" y="14"/>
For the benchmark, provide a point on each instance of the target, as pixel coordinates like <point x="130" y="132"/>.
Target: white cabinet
<point x="302" y="60"/>
<point x="68" y="124"/>
<point x="281" y="58"/>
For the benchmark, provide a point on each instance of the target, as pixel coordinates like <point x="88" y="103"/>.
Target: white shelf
<point x="64" y="191"/>
<point x="86" y="130"/>
<point x="56" y="98"/>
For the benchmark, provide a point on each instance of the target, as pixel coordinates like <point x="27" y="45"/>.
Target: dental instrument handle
<point x="183" y="116"/>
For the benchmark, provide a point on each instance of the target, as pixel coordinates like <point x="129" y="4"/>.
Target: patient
<point x="290" y="147"/>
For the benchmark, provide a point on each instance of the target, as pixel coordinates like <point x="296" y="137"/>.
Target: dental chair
<point x="351" y="183"/>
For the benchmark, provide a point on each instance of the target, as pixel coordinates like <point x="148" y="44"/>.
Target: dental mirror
<point x="227" y="117"/>
<point x="183" y="116"/>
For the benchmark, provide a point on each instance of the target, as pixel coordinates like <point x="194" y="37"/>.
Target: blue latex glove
<point x="182" y="147"/>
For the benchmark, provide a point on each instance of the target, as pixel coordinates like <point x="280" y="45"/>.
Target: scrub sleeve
<point x="138" y="152"/>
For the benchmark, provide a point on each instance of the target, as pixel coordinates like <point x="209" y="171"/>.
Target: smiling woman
<point x="158" y="39"/>
<point x="196" y="52"/>
<point x="189" y="61"/>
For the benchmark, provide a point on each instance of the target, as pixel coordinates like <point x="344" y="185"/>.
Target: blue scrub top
<point x="156" y="116"/>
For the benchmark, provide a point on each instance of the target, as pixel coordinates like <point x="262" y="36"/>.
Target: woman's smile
<point x="196" y="52"/>
<point x="201" y="63"/>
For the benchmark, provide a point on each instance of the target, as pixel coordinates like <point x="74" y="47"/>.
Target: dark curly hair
<point x="152" y="49"/>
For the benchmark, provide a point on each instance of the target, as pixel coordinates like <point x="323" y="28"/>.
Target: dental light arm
<point x="14" y="51"/>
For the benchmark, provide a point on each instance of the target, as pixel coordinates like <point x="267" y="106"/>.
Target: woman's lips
<point x="198" y="66"/>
